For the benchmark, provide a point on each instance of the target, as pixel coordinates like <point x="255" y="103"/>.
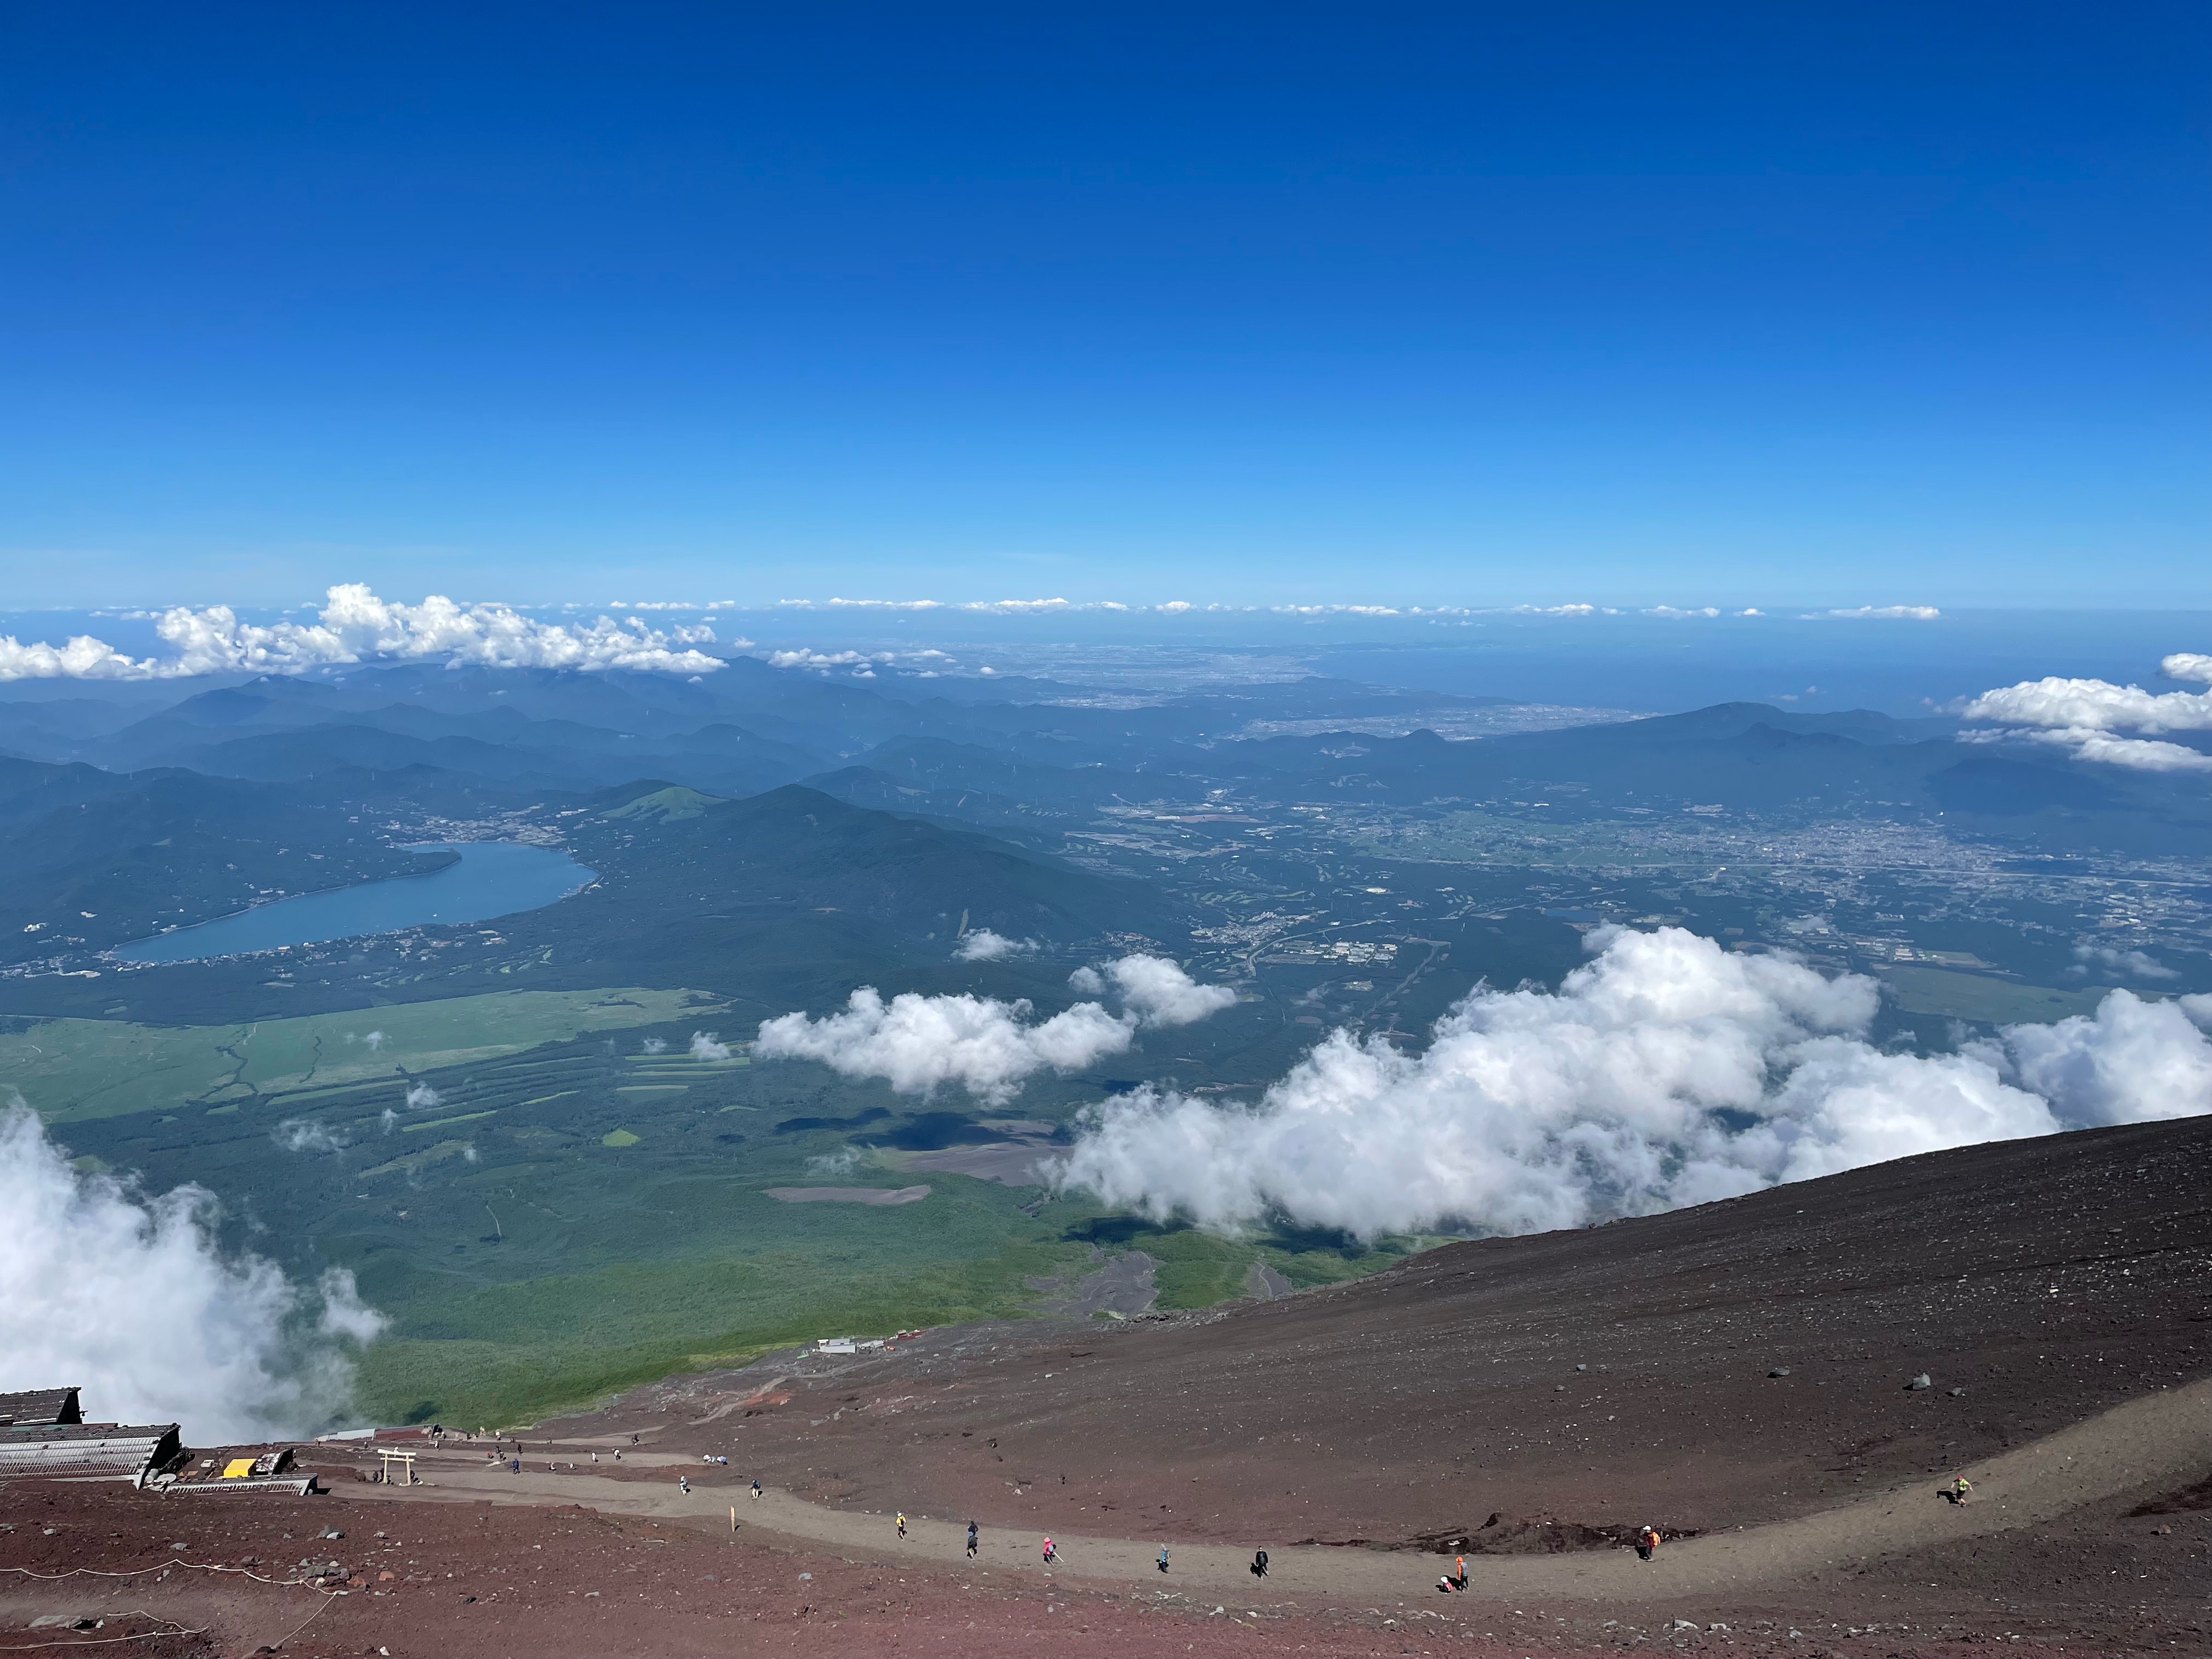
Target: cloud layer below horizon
<point x="354" y="626"/>
<point x="1667" y="1071"/>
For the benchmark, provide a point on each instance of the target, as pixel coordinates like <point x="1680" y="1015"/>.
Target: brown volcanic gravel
<point x="1602" y="1377"/>
<point x="2050" y="1280"/>
<point x="546" y="1583"/>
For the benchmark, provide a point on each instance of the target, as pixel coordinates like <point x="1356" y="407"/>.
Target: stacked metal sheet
<point x="86" y="1451"/>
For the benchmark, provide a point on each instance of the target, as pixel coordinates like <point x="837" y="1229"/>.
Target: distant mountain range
<point x="117" y="817"/>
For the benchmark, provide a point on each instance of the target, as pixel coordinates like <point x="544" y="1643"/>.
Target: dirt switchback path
<point x="2147" y="1441"/>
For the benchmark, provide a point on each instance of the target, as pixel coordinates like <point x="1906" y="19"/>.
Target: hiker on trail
<point x="1259" y="1564"/>
<point x="1647" y="1543"/>
<point x="633" y="1440"/>
<point x="901" y="1523"/>
<point x="683" y="1485"/>
<point x="756" y="1491"/>
<point x="1443" y="1585"/>
<point x="515" y="1464"/>
<point x="971" y="1541"/>
<point x="1960" y="1488"/>
<point x="1163" y="1557"/>
<point x="1459" y="1572"/>
<point x="1049" y="1557"/>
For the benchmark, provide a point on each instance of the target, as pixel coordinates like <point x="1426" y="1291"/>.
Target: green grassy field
<point x="1979" y="997"/>
<point x="565" y="1214"/>
<point x="70" y="1070"/>
<point x="747" y="1275"/>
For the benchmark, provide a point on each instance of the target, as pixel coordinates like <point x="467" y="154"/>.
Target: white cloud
<point x="1168" y="608"/>
<point x="1666" y="1072"/>
<point x="824" y="659"/>
<point x="2140" y="963"/>
<point x="421" y="1096"/>
<point x="131" y="1298"/>
<point x="2093" y="706"/>
<point x="1160" y="993"/>
<point x="2085" y="716"/>
<point x="1003" y="607"/>
<point x="654" y="1045"/>
<point x="1878" y="613"/>
<point x="919" y="1044"/>
<point x="83" y="657"/>
<point x="982" y="945"/>
<point x="708" y="1045"/>
<point x="2137" y="754"/>
<point x="353" y="626"/>
<point x="305" y="1134"/>
<point x="2131" y="1061"/>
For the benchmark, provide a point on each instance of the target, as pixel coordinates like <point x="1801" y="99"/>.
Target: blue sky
<point x="1244" y="304"/>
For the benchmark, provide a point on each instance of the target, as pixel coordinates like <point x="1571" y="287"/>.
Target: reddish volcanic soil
<point x="1608" y="1377"/>
<point x="483" y="1580"/>
<point x="1568" y="1384"/>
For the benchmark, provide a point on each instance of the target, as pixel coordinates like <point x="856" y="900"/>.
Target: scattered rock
<point x="1581" y="1368"/>
<point x="1779" y="1370"/>
<point x="1958" y="1393"/>
<point x="1918" y="1384"/>
<point x="1684" y="1624"/>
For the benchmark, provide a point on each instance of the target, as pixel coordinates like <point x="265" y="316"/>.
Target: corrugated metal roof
<point x="85" y="1450"/>
<point x="40" y="1405"/>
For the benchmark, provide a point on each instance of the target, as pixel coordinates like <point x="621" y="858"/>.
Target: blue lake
<point x="492" y="879"/>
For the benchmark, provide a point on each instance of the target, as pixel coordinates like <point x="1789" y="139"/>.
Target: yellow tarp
<point x="238" y="1469"/>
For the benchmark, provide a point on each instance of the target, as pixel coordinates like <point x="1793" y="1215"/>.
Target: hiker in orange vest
<point x="1459" y="1572"/>
<point x="1647" y="1543"/>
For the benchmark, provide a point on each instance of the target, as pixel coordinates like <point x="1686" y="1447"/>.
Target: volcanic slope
<point x="1565" y="1382"/>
